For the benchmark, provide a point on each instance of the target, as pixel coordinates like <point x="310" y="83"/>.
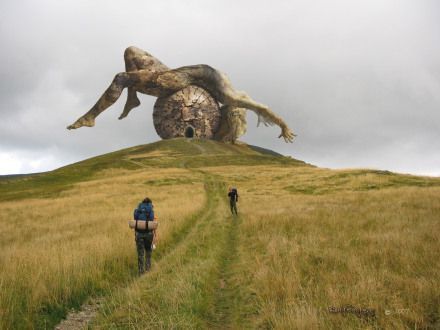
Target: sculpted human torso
<point x="146" y="74"/>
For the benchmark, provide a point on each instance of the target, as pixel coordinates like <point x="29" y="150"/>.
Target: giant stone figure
<point x="193" y="101"/>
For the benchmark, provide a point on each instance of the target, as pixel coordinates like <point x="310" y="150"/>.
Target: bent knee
<point x="130" y="51"/>
<point x="121" y="78"/>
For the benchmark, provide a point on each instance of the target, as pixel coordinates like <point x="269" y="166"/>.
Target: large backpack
<point x="235" y="193"/>
<point x="144" y="212"/>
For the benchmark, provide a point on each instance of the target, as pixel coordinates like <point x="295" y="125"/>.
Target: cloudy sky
<point x="358" y="81"/>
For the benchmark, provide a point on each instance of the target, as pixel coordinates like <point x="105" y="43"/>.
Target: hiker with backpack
<point x="145" y="238"/>
<point x="233" y="199"/>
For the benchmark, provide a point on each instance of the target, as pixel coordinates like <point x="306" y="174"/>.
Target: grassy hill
<point x="307" y="241"/>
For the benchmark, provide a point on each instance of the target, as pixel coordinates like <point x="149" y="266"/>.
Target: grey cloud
<point x="358" y="81"/>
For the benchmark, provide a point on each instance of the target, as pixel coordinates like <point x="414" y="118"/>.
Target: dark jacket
<point x="233" y="195"/>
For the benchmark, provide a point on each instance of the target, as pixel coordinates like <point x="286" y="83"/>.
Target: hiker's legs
<point x="233" y="205"/>
<point x="148" y="261"/>
<point x="121" y="81"/>
<point x="140" y="247"/>
<point x="148" y="241"/>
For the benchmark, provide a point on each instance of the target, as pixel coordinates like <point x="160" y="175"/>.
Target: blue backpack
<point x="144" y="212"/>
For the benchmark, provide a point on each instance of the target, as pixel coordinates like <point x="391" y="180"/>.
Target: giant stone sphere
<point x="190" y="112"/>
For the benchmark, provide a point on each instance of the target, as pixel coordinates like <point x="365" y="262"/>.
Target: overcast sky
<point x="358" y="81"/>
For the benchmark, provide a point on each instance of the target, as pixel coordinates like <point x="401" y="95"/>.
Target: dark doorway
<point x="189" y="132"/>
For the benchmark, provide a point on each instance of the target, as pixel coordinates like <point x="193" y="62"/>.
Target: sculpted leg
<point x="131" y="103"/>
<point x="131" y="55"/>
<point x="109" y="97"/>
<point x="137" y="59"/>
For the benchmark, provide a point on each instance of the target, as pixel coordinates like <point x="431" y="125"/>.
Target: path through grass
<point x="190" y="287"/>
<point x="225" y="299"/>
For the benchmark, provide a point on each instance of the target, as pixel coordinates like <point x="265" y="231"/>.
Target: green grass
<point x="179" y="152"/>
<point x="357" y="180"/>
<point x="51" y="184"/>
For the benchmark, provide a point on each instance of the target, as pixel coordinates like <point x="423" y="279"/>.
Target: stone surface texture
<point x="189" y="112"/>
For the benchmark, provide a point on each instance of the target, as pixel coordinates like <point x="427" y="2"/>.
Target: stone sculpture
<point x="188" y="100"/>
<point x="190" y="112"/>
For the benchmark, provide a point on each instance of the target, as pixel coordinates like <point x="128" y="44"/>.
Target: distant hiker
<point x="144" y="237"/>
<point x="233" y="199"/>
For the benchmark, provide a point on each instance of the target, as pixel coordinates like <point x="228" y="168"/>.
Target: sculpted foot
<point x="134" y="102"/>
<point x="88" y="121"/>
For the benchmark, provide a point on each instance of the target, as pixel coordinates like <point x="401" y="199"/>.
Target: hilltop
<point x="161" y="154"/>
<point x="306" y="242"/>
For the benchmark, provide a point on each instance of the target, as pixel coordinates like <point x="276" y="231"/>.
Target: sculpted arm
<point x="219" y="85"/>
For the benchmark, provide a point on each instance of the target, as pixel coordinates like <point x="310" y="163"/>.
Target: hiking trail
<point x="212" y="230"/>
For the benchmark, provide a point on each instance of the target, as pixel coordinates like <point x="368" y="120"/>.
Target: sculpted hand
<point x="287" y="134"/>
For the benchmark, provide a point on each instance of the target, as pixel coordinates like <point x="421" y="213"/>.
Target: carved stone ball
<point x="190" y="112"/>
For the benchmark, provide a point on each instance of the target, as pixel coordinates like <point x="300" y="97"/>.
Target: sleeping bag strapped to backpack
<point x="144" y="212"/>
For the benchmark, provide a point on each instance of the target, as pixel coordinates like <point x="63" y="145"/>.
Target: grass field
<point x="307" y="242"/>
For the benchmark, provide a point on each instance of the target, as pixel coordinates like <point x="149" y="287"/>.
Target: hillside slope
<point x="162" y="154"/>
<point x="306" y="242"/>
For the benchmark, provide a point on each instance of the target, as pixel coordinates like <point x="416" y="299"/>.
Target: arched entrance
<point x="189" y="132"/>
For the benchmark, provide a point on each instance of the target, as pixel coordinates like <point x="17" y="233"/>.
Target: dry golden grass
<point x="332" y="244"/>
<point x="61" y="249"/>
<point x="306" y="239"/>
<point x="177" y="292"/>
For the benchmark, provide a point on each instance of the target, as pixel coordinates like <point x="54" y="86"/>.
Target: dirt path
<point x="219" y="290"/>
<point x="80" y="319"/>
<point x="224" y="297"/>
